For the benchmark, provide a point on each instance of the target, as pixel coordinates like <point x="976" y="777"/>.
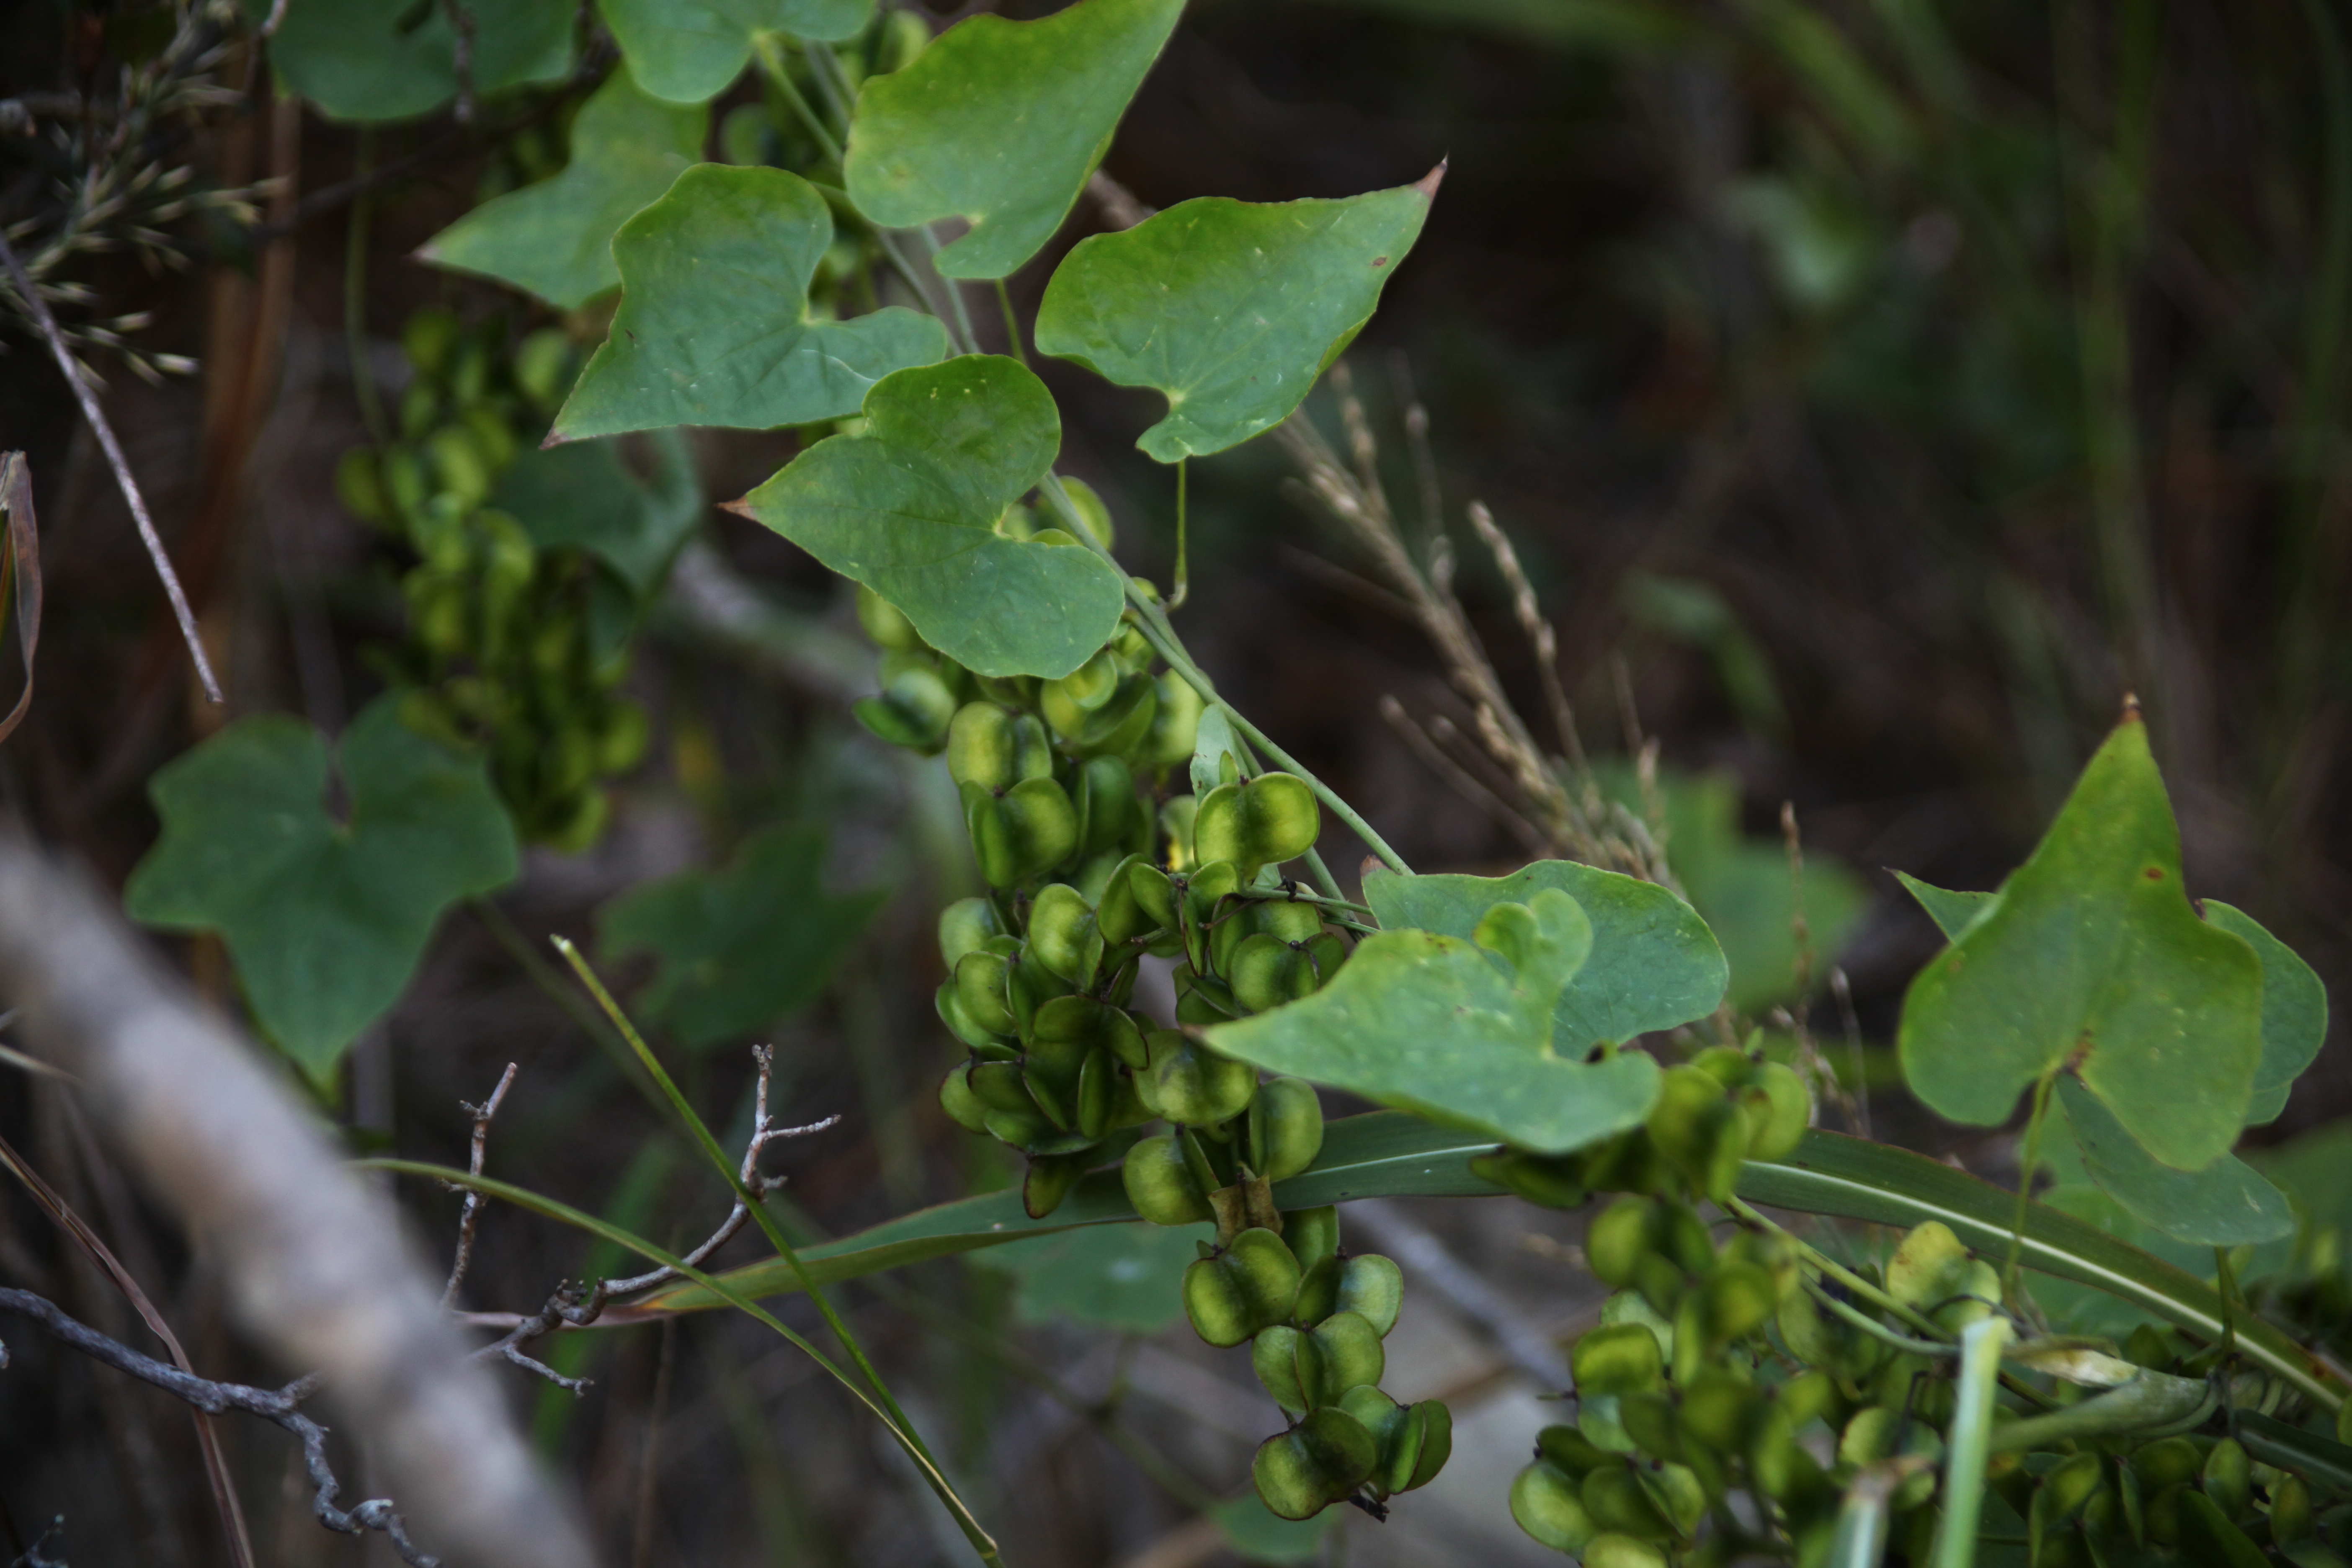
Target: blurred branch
<point x="313" y="1257"/>
<point x="280" y="1406"/>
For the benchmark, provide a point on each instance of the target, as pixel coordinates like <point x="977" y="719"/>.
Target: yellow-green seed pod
<point x="1176" y="820"/>
<point x="1286" y="1127"/>
<point x="965" y="925"/>
<point x="1738" y="1298"/>
<point x="1718" y="1406"/>
<point x="1616" y="1503"/>
<point x="429" y="340"/>
<point x="1649" y="1419"/>
<point x="1779" y="1108"/>
<point x="1316" y="1463"/>
<point x="1093" y="515"/>
<point x="1805" y="1397"/>
<point x="1161" y="1184"/>
<point x="544" y="366"/>
<point x="1027" y="829"/>
<point x="1258" y="822"/>
<point x="1619" y="1237"/>
<point x="1312" y="1235"/>
<point x="1175" y="729"/>
<point x="1194" y="1084"/>
<point x="1571" y="1452"/>
<point x="949" y="1004"/>
<point x="1699" y="1129"/>
<point x="493" y="437"/>
<point x="1119" y="915"/>
<point x="885" y="623"/>
<point x="1372" y="1288"/>
<point x="1684" y="1236"/>
<point x="963" y="1107"/>
<point x="1266" y="971"/>
<point x="2167" y="1462"/>
<point x="622" y="738"/>
<point x="1155" y="896"/>
<point x="1105" y="803"/>
<point x="1062" y="934"/>
<point x="1614" y="1551"/>
<point x="459" y="463"/>
<point x="996" y="748"/>
<point x="1341" y="1353"/>
<point x="1549" y="1504"/>
<point x="1620" y="1358"/>
<point x="915" y="707"/>
<point x="1003" y="1086"/>
<point x="980" y="983"/>
<point x="1246" y="1289"/>
<point x="2209" y="1537"/>
<point x="1273" y="1356"/>
<point x="1555" y="1181"/>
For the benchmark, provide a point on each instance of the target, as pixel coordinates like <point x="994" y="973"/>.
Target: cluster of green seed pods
<point x="511" y="647"/>
<point x="1314" y="1318"/>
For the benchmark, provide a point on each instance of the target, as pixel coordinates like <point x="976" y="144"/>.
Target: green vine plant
<point x="1999" y="1379"/>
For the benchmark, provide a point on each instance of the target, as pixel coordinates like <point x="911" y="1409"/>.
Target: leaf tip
<point x="554" y="438"/>
<point x="2131" y="707"/>
<point x="741" y="507"/>
<point x="1427" y="184"/>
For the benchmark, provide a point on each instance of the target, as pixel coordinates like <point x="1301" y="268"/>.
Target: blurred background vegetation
<point x="1875" y="391"/>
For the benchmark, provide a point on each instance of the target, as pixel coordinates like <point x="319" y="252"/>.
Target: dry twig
<point x="470" y="1216"/>
<point x="281" y="1406"/>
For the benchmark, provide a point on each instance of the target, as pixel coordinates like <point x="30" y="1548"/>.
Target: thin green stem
<point x="770" y="50"/>
<point x="1322" y="875"/>
<point x="1971" y="1438"/>
<point x="1877" y="1329"/>
<point x="2025" y="1182"/>
<point x="1012" y="323"/>
<point x="1182" y="588"/>
<point x="759" y="1214"/>
<point x="1841" y="1273"/>
<point x="355" y="251"/>
<point x="953" y="291"/>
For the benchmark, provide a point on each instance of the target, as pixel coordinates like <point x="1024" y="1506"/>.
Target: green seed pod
<point x="1700" y="1131"/>
<point x="1649" y="1419"/>
<point x="1933" y="1273"/>
<point x="459" y="463"/>
<point x="2060" y="1499"/>
<point x="1106" y="805"/>
<point x="1552" y="1182"/>
<point x="1049" y="1181"/>
<point x="420" y="406"/>
<point x="1093" y="515"/>
<point x="1611" y="1551"/>
<point x="1312" y="1235"/>
<point x="963" y="926"/>
<point x="1024" y="1129"/>
<point x="1119" y="915"/>
<point x="2209" y="1539"/>
<point x="1414" y="1440"/>
<point x="1675" y="1493"/>
<point x="1571" y="1452"/>
<point x="1620" y="1358"/>
<point x="1780" y="1466"/>
<point x="1316" y="1463"/>
<point x="1615" y="1501"/>
<point x="2289" y="1510"/>
<point x="1192" y="1084"/>
<point x="1003" y="1086"/>
<point x="1273" y="1356"/>
<point x="1176" y="832"/>
<point x="1259" y="822"/>
<point x="1684" y="1236"/>
<point x="1246" y="1287"/>
<point x="1619" y="1237"/>
<point x="1086" y="1025"/>
<point x="996" y="747"/>
<point x="1718" y="1406"/>
<point x="429" y="340"/>
<point x="1286" y="1128"/>
<point x="1267" y="972"/>
<point x="1341" y="1353"/>
<point x="1372" y="1288"/>
<point x="966" y="1109"/>
<point x="1115" y="727"/>
<point x="1662" y="1282"/>
<point x="1027" y="829"/>
<point x="2228" y="1478"/>
<point x="359" y="485"/>
<point x="1155" y="895"/>
<point x="493" y="437"/>
<point x="1549" y="1504"/>
<point x="1629" y="1162"/>
<point x="1175" y="723"/>
<point x="1732" y="1068"/>
<point x="981" y="982"/>
<point x="2167" y="1462"/>
<point x="1779" y="1108"/>
<point x="544" y="367"/>
<point x="1161" y="1184"/>
<point x="1738" y="1298"/>
<point x="988" y="1045"/>
<point x="1085" y="688"/>
<point x="1805" y="1397"/>
<point x="1062" y="934"/>
<point x="914" y="708"/>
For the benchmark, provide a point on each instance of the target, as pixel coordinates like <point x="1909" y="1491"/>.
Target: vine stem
<point x="1012" y="323"/>
<point x="979" y="1539"/>
<point x="2025" y="1182"/>
<point x="1971" y="1440"/>
<point x="1182" y="589"/>
<point x="1839" y="1272"/>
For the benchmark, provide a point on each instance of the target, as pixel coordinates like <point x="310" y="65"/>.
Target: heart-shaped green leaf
<point x="2093" y="961"/>
<point x="1653" y="965"/>
<point x="2224" y="1204"/>
<point x="325" y="920"/>
<point x="714" y="325"/>
<point x="1228" y="309"/>
<point x="1000" y="124"/>
<point x="587" y="496"/>
<point x="1953" y="912"/>
<point x="742" y="947"/>
<point x="909" y="509"/>
<point x="554" y="239"/>
<point x="687" y="51"/>
<point x="1124" y="1277"/>
<point x="1435" y="1025"/>
<point x="386" y="62"/>
<point x="2295" y="1011"/>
